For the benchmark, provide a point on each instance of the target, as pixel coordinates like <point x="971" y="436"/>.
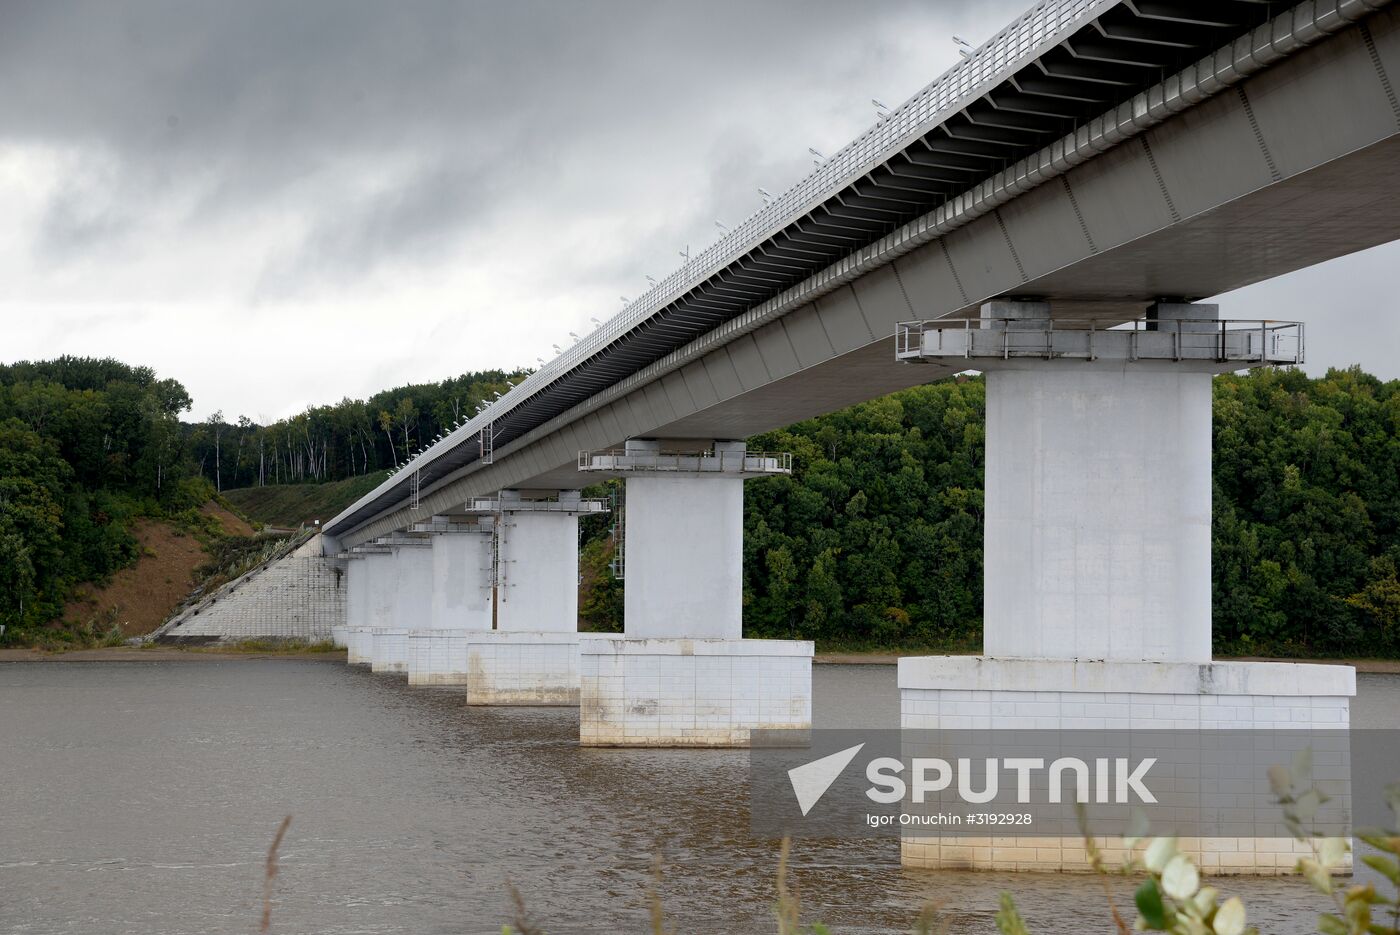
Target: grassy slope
<point x="139" y="598"/>
<point x="289" y="505"/>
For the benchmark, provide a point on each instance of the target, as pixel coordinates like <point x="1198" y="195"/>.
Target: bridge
<point x="1052" y="210"/>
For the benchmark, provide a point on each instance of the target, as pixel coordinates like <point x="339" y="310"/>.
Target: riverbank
<point x="166" y="653"/>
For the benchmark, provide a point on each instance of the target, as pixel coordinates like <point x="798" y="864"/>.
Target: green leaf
<point x="1329" y="924"/>
<point x="1332" y="851"/>
<point x="1180" y="879"/>
<point x="1230" y="917"/>
<point x="1384" y="866"/>
<point x="1159" y="853"/>
<point x="1392" y="795"/>
<point x="1308" y="803"/>
<point x="1316" y="875"/>
<point x="1381" y="842"/>
<point x="1203" y="903"/>
<point x="1009" y="921"/>
<point x="1149" y="904"/>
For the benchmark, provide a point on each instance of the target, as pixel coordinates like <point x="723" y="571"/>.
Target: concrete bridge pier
<point x="683" y="676"/>
<point x="531" y="658"/>
<point x="366" y="604"/>
<point x="408" y="599"/>
<point x="353" y="580"/>
<point x="460" y="603"/>
<point x="1097" y="558"/>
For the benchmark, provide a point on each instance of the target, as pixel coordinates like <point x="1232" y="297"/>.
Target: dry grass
<point x="523" y="924"/>
<point x="270" y="874"/>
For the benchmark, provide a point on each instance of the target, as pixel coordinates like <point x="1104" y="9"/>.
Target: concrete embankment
<point x="295" y="596"/>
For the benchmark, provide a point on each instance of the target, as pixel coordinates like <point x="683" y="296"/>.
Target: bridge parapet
<point x="720" y="460"/>
<point x="1237" y="343"/>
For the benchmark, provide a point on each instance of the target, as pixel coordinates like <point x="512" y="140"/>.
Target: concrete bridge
<point x="1051" y="211"/>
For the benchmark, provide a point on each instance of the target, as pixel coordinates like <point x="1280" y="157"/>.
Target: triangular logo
<point x="811" y="780"/>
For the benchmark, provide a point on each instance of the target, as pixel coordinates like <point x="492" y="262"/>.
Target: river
<point x="141" y="797"/>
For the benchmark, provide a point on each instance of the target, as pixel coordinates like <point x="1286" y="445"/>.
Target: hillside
<point x="139" y="597"/>
<point x="287" y="506"/>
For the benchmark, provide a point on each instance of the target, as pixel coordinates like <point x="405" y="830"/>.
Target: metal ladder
<point x="618" y="532"/>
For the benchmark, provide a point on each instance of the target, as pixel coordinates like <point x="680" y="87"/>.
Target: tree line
<point x="87" y="446"/>
<point x="874" y="540"/>
<point x="344" y="439"/>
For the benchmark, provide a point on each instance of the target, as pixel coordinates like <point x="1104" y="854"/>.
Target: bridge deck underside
<point x="1298" y="165"/>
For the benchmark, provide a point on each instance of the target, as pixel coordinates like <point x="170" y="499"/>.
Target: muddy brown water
<point x="141" y="796"/>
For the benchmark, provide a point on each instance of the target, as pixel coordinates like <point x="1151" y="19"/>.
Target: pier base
<point x="359" y="645"/>
<point x="982" y="693"/>
<point x="524" y="667"/>
<point x="389" y="652"/>
<point x="691" y="692"/>
<point x="438" y="658"/>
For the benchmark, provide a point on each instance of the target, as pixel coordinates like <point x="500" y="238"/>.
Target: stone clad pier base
<point x="691" y="692"/>
<point x="524" y="667"/>
<point x="981" y="693"/>
<point x="359" y="643"/>
<point x="389" y="650"/>
<point x="437" y="658"/>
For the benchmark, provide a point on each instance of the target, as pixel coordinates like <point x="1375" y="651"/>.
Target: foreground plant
<point x="1171" y="897"/>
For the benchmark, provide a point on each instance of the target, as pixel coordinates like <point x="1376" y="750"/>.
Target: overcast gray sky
<point x="286" y="203"/>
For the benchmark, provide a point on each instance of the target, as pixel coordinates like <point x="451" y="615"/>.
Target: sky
<point x="286" y="204"/>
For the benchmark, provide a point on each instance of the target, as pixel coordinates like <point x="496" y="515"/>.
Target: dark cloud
<point x="234" y="107"/>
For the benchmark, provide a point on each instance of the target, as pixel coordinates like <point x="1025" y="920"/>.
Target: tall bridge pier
<point x="461" y="600"/>
<point x="682" y="675"/>
<point x="408" y="583"/>
<point x="531" y="658"/>
<point x="1097" y="551"/>
<point x="370" y="603"/>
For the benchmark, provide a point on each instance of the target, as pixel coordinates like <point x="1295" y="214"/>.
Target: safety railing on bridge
<point x="983" y="67"/>
<point x="689" y="462"/>
<point x="1242" y="341"/>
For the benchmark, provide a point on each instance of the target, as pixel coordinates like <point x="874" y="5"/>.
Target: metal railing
<point x="687" y="462"/>
<point x="983" y="67"/>
<point x="493" y="505"/>
<point x="1261" y="341"/>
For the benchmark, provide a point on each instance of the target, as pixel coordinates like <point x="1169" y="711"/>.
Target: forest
<point x="874" y="541"/>
<point x="340" y="440"/>
<point x="88" y="446"/>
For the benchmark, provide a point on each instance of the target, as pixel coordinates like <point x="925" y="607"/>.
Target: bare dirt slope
<point x="140" y="597"/>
